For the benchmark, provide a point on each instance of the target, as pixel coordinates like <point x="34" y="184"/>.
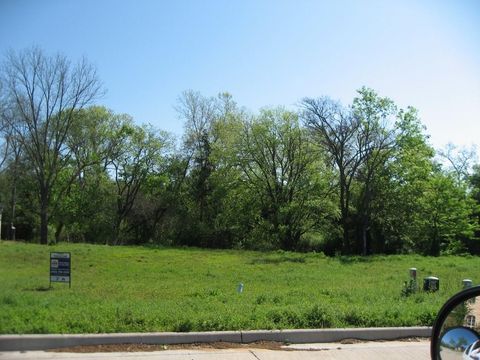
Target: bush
<point x="319" y="317"/>
<point x="185" y="325"/>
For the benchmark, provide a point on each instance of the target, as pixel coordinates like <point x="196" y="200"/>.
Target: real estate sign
<point x="60" y="267"/>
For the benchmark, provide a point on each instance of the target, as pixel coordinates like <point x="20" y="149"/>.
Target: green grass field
<point x="138" y="289"/>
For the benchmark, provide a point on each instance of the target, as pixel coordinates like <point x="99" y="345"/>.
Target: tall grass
<point x="130" y="289"/>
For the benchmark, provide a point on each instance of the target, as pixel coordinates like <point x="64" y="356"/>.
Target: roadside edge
<point x="44" y="342"/>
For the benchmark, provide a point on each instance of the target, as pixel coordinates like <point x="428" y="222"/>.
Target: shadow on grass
<point x="354" y="259"/>
<point x="39" y="288"/>
<point x="278" y="260"/>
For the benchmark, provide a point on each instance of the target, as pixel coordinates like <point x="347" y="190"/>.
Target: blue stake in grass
<point x="240" y="288"/>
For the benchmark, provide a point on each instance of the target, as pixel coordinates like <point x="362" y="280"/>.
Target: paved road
<point x="448" y="354"/>
<point x="392" y="350"/>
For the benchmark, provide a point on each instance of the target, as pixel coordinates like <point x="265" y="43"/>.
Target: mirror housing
<point x="455" y="330"/>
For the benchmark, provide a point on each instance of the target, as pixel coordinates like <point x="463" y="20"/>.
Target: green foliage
<point x="43" y="95"/>
<point x="409" y="287"/>
<point x="129" y="289"/>
<point x="210" y="199"/>
<point x="288" y="182"/>
<point x="401" y="186"/>
<point x="357" y="179"/>
<point x="447" y="216"/>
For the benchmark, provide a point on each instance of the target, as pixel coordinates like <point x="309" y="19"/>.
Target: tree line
<point x="360" y="178"/>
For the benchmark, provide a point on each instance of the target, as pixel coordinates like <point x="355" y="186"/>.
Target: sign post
<point x="60" y="268"/>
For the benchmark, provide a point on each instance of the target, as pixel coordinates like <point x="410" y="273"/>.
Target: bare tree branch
<point x="43" y="95"/>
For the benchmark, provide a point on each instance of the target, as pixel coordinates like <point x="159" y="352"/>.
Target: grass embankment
<point x="130" y="289"/>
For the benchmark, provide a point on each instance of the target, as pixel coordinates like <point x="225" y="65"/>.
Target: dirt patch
<point x="269" y="345"/>
<point x="415" y="339"/>
<point x="357" y="341"/>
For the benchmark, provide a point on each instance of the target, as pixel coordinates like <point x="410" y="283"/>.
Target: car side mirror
<point x="455" y="333"/>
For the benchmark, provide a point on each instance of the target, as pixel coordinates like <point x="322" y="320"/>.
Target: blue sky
<point x="267" y="53"/>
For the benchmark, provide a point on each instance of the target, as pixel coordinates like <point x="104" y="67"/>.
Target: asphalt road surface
<point x="448" y="354"/>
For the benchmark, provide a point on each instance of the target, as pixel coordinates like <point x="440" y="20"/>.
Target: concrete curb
<point x="43" y="342"/>
<point x="334" y="335"/>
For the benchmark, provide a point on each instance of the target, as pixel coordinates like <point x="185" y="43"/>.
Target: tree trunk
<point x="343" y="213"/>
<point x="435" y="242"/>
<point x="43" y="216"/>
<point x="58" y="232"/>
<point x="13" y="204"/>
<point x="364" y="237"/>
<point x="43" y="226"/>
<point x="116" y="232"/>
<point x="344" y="204"/>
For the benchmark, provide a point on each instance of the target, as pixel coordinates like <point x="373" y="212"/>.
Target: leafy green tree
<point x="86" y="212"/>
<point x="376" y="143"/>
<point x="140" y="153"/>
<point x="358" y="141"/>
<point x="158" y="212"/>
<point x="84" y="193"/>
<point x="43" y="94"/>
<point x="419" y="206"/>
<point x="447" y="216"/>
<point x="334" y="129"/>
<point x="198" y="112"/>
<point x="18" y="195"/>
<point x="13" y="157"/>
<point x="474" y="185"/>
<point x="474" y="181"/>
<point x="282" y="172"/>
<point x="401" y="186"/>
<point x="212" y="130"/>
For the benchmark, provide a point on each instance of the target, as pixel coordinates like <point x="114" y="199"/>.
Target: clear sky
<point x="424" y="53"/>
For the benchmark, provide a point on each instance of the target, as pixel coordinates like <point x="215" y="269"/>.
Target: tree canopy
<point x="357" y="178"/>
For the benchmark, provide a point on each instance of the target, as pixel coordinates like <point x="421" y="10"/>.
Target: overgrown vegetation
<point x="126" y="289"/>
<point x="357" y="179"/>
